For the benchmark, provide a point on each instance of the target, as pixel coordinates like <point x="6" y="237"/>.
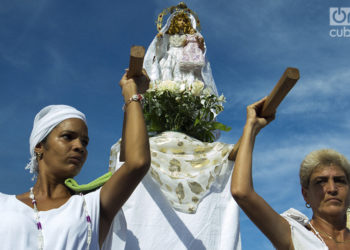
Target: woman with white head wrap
<point x="52" y="216"/>
<point x="45" y="121"/>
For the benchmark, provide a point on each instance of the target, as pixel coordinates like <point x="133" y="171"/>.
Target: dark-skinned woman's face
<point x="64" y="152"/>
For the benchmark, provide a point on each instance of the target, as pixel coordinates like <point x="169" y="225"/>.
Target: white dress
<point x="302" y="238"/>
<point x="181" y="63"/>
<point x="154" y="225"/>
<point x="63" y="228"/>
<point x="156" y="222"/>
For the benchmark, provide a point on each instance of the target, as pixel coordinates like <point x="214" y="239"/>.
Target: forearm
<point x="136" y="143"/>
<point x="135" y="153"/>
<point x="256" y="208"/>
<point x="137" y="158"/>
<point x="242" y="183"/>
<point x="122" y="144"/>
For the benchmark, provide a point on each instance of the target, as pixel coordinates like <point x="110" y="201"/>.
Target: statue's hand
<point x="185" y="42"/>
<point x="200" y="41"/>
<point x="160" y="35"/>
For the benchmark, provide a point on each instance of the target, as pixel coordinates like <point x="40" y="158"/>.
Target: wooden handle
<point x="137" y="53"/>
<point x="279" y="92"/>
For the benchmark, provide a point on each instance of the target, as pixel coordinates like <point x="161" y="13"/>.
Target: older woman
<point x="50" y="216"/>
<point x="324" y="176"/>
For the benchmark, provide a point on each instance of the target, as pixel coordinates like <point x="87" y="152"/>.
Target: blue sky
<point x="74" y="52"/>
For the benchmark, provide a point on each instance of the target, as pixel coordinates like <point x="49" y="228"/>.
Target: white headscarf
<point x="45" y="121"/>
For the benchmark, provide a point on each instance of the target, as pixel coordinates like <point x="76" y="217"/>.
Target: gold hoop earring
<point x="307" y="205"/>
<point x="39" y="155"/>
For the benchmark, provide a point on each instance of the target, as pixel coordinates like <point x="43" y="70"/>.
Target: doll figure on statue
<point x="177" y="53"/>
<point x="184" y="55"/>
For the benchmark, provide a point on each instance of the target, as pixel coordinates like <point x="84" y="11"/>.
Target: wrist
<point x="133" y="98"/>
<point x="128" y="96"/>
<point x="128" y="90"/>
<point x="251" y="127"/>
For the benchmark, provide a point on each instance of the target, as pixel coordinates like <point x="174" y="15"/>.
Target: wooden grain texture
<point x="279" y="92"/>
<point x="273" y="100"/>
<point x="137" y="53"/>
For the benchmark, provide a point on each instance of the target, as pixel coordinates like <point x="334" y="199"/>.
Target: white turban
<point x="45" y="121"/>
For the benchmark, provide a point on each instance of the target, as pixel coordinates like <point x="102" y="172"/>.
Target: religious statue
<point x="177" y="53"/>
<point x="184" y="201"/>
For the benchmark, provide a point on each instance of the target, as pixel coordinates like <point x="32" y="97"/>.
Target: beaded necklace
<point x="327" y="235"/>
<point x="39" y="227"/>
<point x="317" y="233"/>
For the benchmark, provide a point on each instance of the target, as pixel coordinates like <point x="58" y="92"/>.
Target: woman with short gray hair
<point x="324" y="177"/>
<point x="322" y="157"/>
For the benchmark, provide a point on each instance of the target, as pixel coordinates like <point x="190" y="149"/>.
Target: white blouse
<point x="62" y="228"/>
<point x="302" y="238"/>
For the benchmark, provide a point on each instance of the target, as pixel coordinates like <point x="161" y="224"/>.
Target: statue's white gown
<point x="184" y="202"/>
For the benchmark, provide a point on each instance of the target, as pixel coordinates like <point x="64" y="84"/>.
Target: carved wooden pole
<point x="281" y="89"/>
<point x="137" y="53"/>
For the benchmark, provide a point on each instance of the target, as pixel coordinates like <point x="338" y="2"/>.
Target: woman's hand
<point x="135" y="153"/>
<point x="253" y="116"/>
<point x="134" y="85"/>
<point x="274" y="226"/>
<point x="160" y="35"/>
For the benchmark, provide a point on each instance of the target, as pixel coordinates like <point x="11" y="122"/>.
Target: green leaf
<point x="220" y="126"/>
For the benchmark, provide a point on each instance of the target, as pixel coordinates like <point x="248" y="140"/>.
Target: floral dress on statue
<point x="192" y="55"/>
<point x="184" y="60"/>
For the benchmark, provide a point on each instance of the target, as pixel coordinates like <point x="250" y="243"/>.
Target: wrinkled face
<point x="328" y="191"/>
<point x="64" y="151"/>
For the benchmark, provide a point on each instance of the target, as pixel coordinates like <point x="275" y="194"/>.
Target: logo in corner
<point x="339" y="16"/>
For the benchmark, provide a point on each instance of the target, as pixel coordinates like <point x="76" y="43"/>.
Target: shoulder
<point x="8" y="200"/>
<point x="293" y="215"/>
<point x="4" y="196"/>
<point x="302" y="237"/>
<point x="93" y="197"/>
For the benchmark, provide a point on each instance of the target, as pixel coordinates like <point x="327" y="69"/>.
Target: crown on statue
<point x="181" y="7"/>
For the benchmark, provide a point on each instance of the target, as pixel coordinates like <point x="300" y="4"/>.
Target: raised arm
<point x="257" y="209"/>
<point x="137" y="156"/>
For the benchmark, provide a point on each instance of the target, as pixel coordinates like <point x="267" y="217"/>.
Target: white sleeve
<point x="302" y="238"/>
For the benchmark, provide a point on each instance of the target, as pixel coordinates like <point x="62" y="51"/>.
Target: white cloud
<point x="333" y="83"/>
<point x="324" y="93"/>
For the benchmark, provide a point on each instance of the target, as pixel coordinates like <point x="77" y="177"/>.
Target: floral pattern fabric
<point x="184" y="168"/>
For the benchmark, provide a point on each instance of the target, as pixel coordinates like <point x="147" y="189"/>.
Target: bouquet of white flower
<point x="182" y="107"/>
